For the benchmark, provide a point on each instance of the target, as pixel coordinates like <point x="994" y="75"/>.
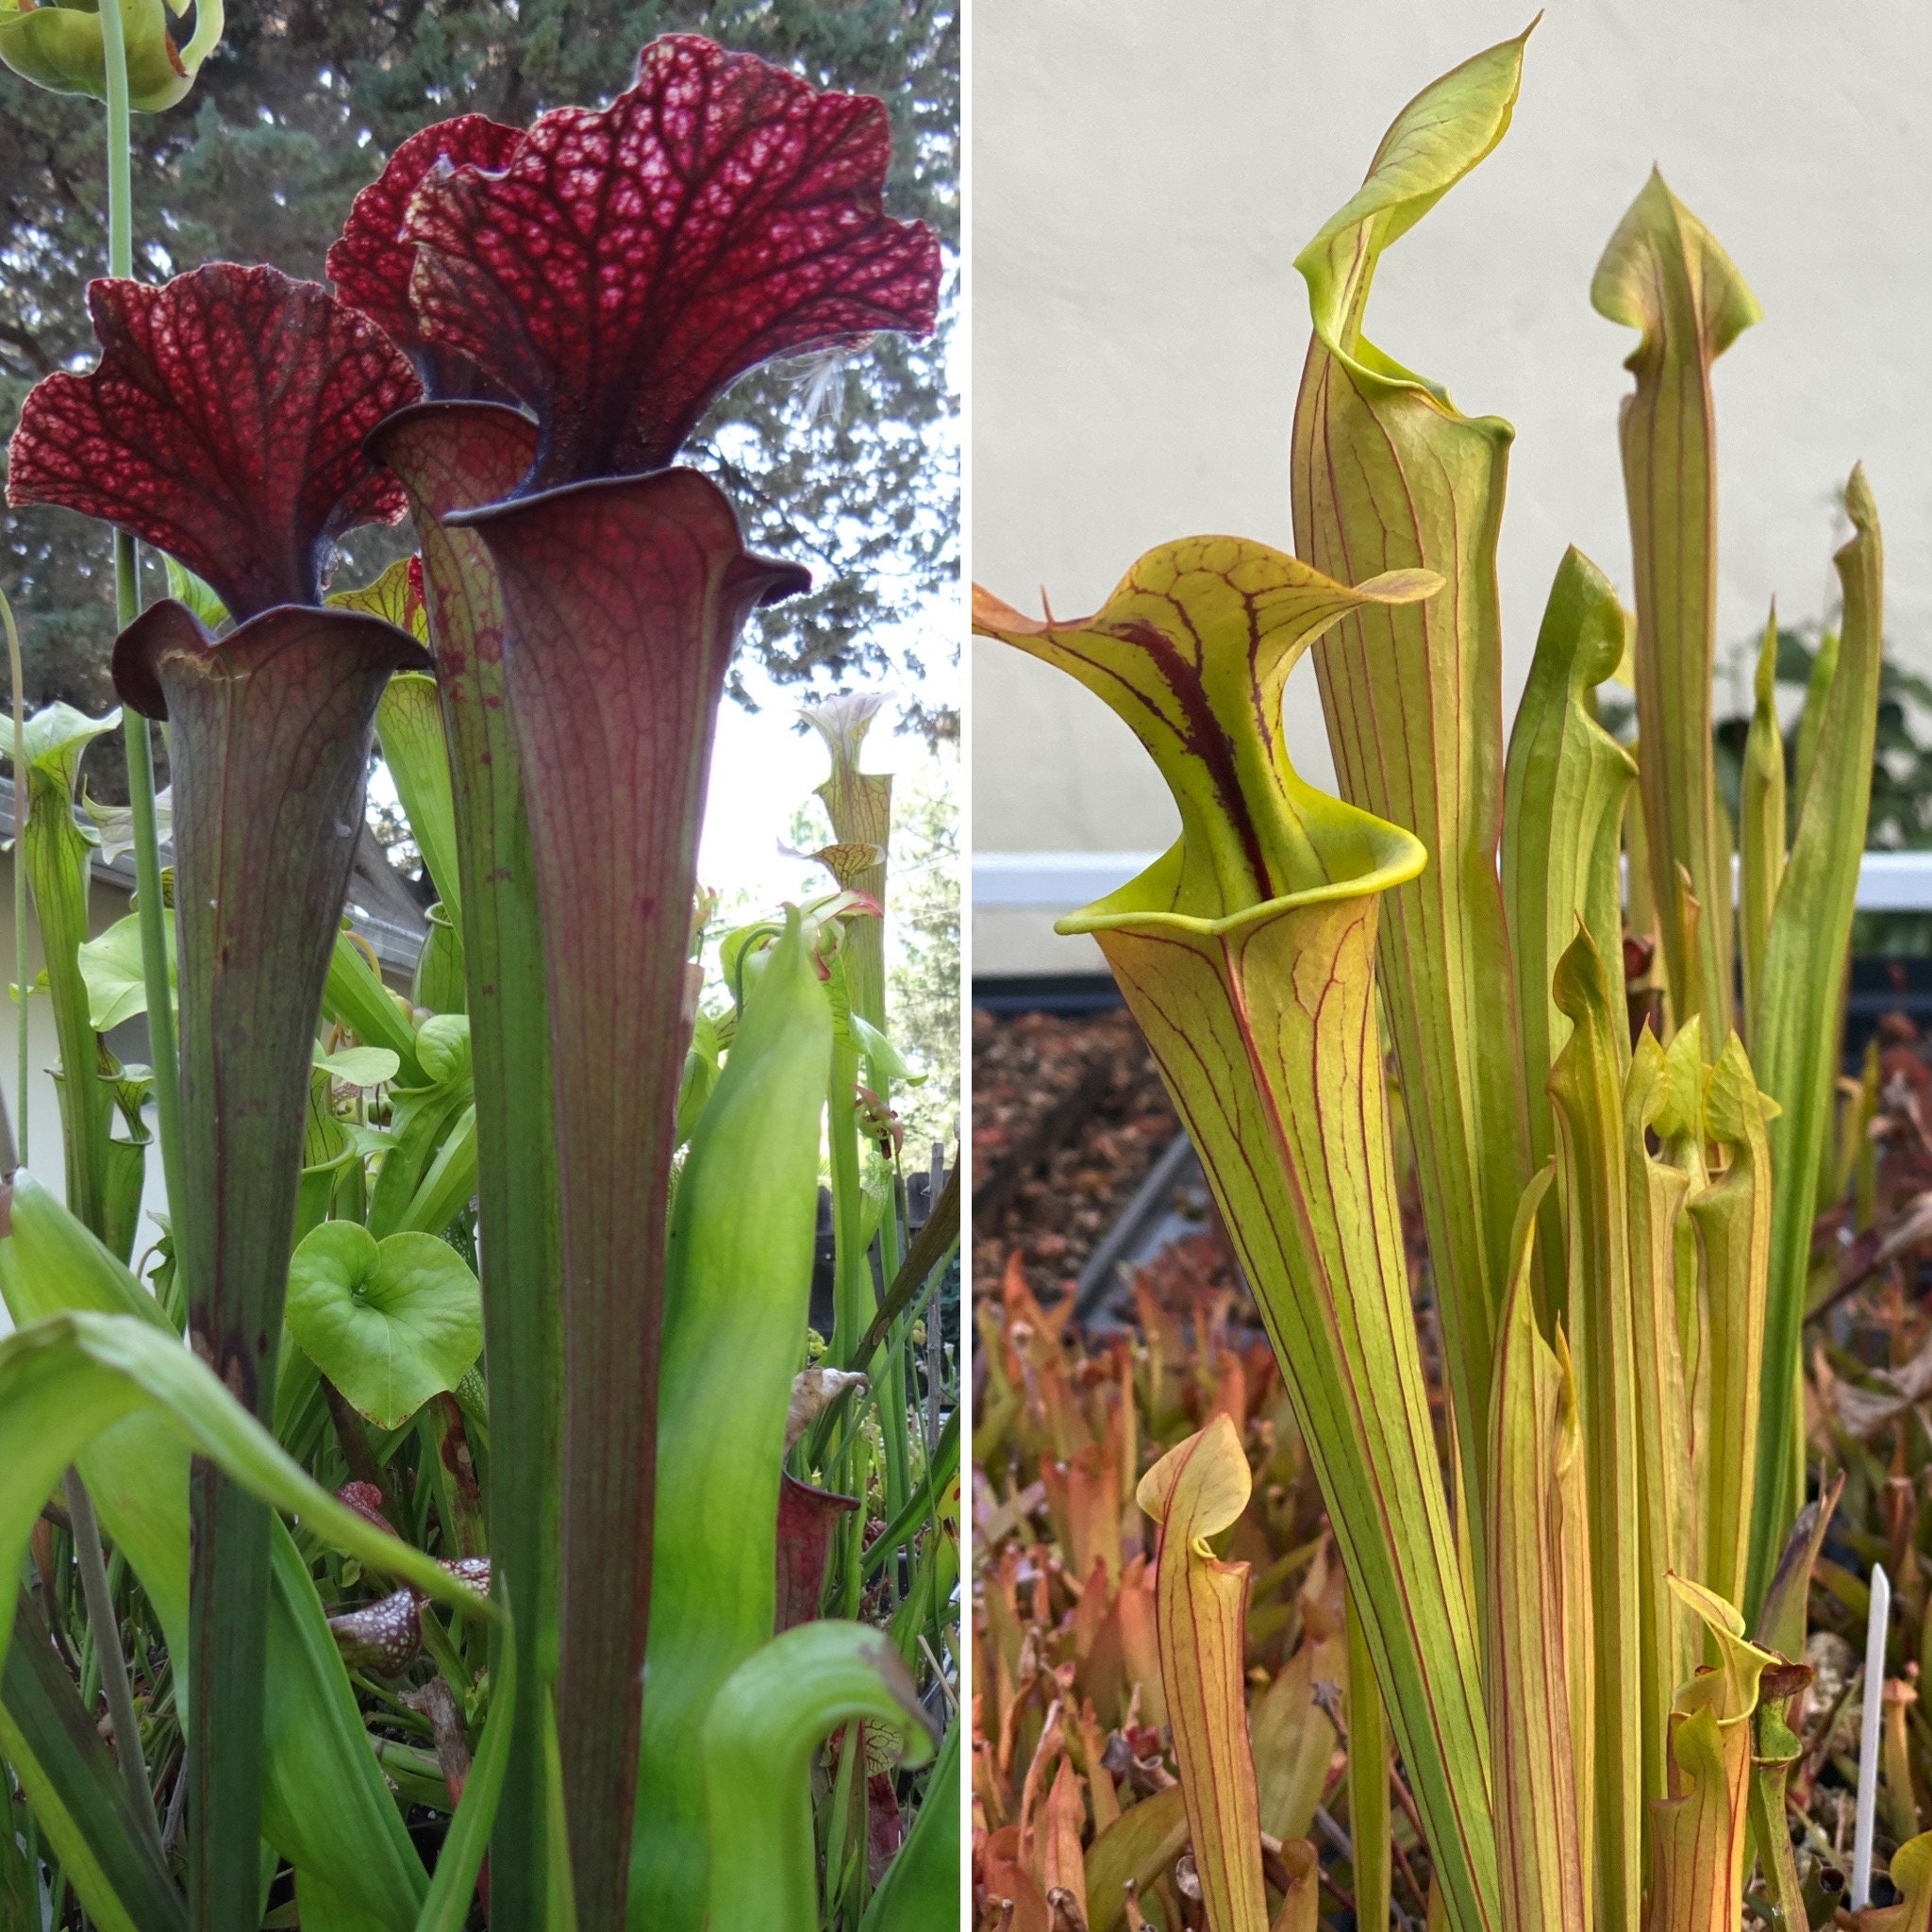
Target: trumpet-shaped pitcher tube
<point x="224" y="425"/>
<point x="1247" y="956"/>
<point x="623" y="601"/>
<point x="271" y="733"/>
<point x="1388" y="472"/>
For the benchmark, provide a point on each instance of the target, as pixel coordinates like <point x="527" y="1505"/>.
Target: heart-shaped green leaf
<point x="110" y="966"/>
<point x="389" y="1322"/>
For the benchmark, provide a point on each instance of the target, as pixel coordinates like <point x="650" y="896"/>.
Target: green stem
<point x="120" y="148"/>
<point x="151" y="906"/>
<point x="134" y="729"/>
<point x="891" y="1386"/>
<point x="852" y="1294"/>
<point x="109" y="1658"/>
<point x="20" y="971"/>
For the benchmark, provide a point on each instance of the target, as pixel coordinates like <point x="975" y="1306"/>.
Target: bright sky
<point x="763" y="768"/>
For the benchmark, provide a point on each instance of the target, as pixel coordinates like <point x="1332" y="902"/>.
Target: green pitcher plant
<point x="1246" y="954"/>
<point x="1566" y="1593"/>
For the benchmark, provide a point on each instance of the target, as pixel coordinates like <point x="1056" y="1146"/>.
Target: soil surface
<point x="1068" y="1115"/>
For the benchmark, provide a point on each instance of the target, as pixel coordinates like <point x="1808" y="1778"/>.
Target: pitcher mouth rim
<point x="1405" y="859"/>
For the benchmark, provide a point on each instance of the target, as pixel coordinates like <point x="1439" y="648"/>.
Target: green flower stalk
<point x="1247" y="955"/>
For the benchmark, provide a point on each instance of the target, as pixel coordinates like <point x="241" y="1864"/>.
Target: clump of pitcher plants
<point x="1577" y="1581"/>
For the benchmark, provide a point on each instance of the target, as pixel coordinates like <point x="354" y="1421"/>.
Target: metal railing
<point x="1059" y="881"/>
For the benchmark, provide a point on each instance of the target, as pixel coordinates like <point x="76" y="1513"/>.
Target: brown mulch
<point x="1068" y="1115"/>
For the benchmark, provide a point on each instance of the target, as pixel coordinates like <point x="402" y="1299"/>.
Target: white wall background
<point x="1144" y="172"/>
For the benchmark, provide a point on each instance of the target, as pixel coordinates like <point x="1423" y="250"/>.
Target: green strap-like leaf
<point x="1761" y="826"/>
<point x="458" y="1863"/>
<point x="450" y="1183"/>
<point x="1388" y="474"/>
<point x="1368" y="1780"/>
<point x="426" y="1121"/>
<point x="1796" y="1055"/>
<point x="1138" y="1846"/>
<point x="323" y="1908"/>
<point x="1664" y="274"/>
<point x="736" y="1307"/>
<point x="79" y="1797"/>
<point x="357" y="998"/>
